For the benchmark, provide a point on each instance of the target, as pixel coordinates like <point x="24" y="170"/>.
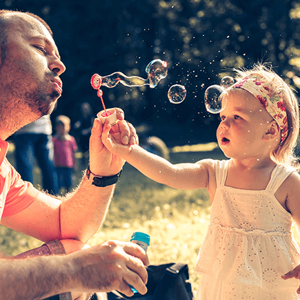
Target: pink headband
<point x="274" y="105"/>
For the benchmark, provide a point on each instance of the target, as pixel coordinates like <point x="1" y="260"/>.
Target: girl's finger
<point x="290" y="274"/>
<point x="120" y="113"/>
<point x="125" y="132"/>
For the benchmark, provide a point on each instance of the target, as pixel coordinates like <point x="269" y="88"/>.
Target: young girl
<point x="64" y="152"/>
<point x="254" y="195"/>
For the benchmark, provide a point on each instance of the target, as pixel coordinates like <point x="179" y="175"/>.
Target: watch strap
<point x="103" y="181"/>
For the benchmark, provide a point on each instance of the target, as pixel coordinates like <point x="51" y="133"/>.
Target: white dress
<point x="248" y="245"/>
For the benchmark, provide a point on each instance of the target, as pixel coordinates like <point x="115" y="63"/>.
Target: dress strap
<point x="221" y="169"/>
<point x="278" y="176"/>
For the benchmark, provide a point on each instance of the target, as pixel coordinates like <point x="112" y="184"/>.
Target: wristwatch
<point x="102" y="181"/>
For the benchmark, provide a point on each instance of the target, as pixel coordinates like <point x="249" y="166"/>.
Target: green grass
<point x="176" y="220"/>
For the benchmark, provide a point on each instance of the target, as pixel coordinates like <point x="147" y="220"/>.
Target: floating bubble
<point x="157" y="70"/>
<point x="226" y="82"/>
<point x="113" y="79"/>
<point x="213" y="99"/>
<point x="176" y="93"/>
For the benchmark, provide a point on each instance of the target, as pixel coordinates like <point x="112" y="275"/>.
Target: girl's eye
<point x="236" y="117"/>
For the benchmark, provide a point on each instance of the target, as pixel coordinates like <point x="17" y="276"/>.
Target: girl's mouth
<point x="224" y="141"/>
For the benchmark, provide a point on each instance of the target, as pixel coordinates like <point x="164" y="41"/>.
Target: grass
<point x="176" y="220"/>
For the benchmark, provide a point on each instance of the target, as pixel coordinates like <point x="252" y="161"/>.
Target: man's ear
<point x="272" y="131"/>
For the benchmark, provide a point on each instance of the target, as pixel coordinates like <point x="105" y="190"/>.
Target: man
<point x="30" y="67"/>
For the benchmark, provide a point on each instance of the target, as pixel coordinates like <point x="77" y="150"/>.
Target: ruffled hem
<point x="248" y="257"/>
<point x="211" y="289"/>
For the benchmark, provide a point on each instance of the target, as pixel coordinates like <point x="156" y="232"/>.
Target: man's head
<point x="30" y="66"/>
<point x="4" y="21"/>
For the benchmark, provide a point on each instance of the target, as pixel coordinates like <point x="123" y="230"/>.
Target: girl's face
<point x="60" y="129"/>
<point x="243" y="125"/>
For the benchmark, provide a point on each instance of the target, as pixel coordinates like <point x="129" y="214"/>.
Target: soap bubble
<point x="213" y="99"/>
<point x="226" y="82"/>
<point x="157" y="69"/>
<point x="176" y="93"/>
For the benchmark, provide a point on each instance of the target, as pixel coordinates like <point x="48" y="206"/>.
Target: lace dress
<point x="248" y="245"/>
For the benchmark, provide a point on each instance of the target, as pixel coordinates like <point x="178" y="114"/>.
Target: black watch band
<point x="103" y="181"/>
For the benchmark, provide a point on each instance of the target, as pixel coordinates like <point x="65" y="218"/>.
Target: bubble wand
<point x="157" y="69"/>
<point x="96" y="83"/>
<point x="111" y="115"/>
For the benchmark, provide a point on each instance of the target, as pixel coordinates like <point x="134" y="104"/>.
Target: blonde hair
<point x="63" y="120"/>
<point x="283" y="153"/>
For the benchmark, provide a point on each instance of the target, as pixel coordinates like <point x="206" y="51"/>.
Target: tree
<point x="202" y="40"/>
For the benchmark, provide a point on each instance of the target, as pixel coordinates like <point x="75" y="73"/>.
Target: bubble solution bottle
<point x="143" y="240"/>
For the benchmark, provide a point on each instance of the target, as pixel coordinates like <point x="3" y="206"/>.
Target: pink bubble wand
<point x="96" y="82"/>
<point x="157" y="70"/>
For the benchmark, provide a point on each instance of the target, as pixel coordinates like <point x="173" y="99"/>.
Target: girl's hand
<point x="295" y="273"/>
<point x="102" y="161"/>
<point x="114" y="142"/>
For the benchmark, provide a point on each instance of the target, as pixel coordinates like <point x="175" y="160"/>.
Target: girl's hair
<point x="63" y="120"/>
<point x="284" y="153"/>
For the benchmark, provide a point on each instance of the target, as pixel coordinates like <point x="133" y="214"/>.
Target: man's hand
<point x="111" y="266"/>
<point x="113" y="142"/>
<point x="102" y="161"/>
<point x="295" y="273"/>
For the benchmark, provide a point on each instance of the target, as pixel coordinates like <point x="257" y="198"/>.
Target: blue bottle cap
<point x="140" y="236"/>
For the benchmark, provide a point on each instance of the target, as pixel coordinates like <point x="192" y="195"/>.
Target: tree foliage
<point x="202" y="40"/>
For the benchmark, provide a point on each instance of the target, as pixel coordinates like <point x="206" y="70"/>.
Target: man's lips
<point x="58" y="84"/>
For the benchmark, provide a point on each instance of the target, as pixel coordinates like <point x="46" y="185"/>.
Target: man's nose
<point x="57" y="66"/>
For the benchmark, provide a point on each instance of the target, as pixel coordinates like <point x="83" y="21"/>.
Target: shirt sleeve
<point x="20" y="194"/>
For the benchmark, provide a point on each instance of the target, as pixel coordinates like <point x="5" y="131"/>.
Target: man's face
<point x="30" y="72"/>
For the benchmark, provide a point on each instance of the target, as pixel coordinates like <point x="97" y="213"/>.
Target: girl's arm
<point x="180" y="176"/>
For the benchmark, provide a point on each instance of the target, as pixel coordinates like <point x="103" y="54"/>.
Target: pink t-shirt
<point x="15" y="194"/>
<point x="64" y="151"/>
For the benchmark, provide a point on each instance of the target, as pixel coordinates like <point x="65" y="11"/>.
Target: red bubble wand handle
<point x="96" y="82"/>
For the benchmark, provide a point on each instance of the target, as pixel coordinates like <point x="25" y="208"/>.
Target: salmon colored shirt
<point x="15" y="194"/>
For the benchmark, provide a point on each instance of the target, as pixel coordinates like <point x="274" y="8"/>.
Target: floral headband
<point x="273" y="104"/>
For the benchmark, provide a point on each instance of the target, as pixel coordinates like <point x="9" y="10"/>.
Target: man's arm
<point x="80" y="214"/>
<point x="101" y="268"/>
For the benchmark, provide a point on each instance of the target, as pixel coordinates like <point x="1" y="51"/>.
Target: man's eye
<point x="41" y="49"/>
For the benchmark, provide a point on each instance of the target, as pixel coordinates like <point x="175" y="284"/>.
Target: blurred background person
<point x="65" y="148"/>
<point x="34" y="141"/>
<point x="152" y="144"/>
<point x="83" y="127"/>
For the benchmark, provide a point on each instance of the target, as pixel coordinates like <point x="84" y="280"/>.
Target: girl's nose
<point x="224" y="124"/>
